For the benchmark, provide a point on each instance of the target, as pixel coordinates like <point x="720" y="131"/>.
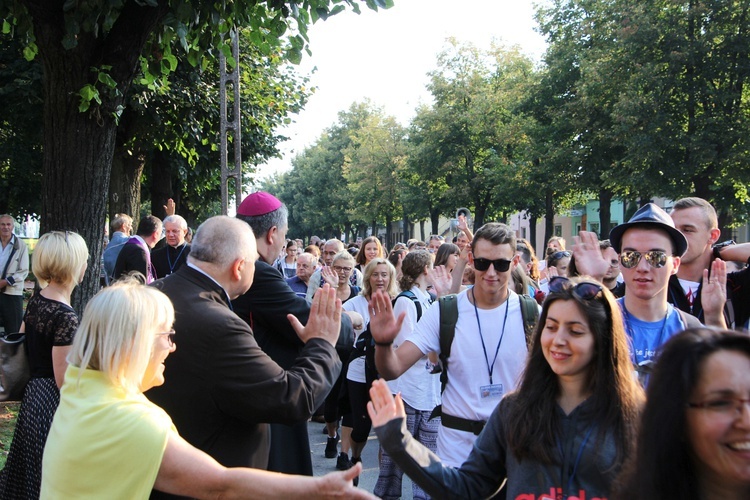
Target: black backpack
<point x="365" y="344"/>
<point x="449" y="317"/>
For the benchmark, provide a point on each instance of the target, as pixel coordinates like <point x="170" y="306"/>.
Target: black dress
<point x="48" y="323"/>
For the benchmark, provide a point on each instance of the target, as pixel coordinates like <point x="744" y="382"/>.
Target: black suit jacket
<point x="221" y="387"/>
<point x="265" y="307"/>
<point x="132" y="257"/>
<point x="162" y="257"/>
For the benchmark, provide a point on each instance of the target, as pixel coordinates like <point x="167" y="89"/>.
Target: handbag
<point x="14" y="366"/>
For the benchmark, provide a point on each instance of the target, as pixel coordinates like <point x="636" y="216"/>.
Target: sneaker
<point x="355" y="481"/>
<point x="343" y="462"/>
<point x="331" y="446"/>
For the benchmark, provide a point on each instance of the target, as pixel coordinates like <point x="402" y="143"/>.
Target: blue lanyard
<point x="564" y="468"/>
<point x="169" y="260"/>
<point x="502" y="333"/>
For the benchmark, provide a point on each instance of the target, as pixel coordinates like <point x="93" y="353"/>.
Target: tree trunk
<point x="407" y="231"/>
<point x="605" y="213"/>
<point x="161" y="183"/>
<point x="78" y="147"/>
<point x="125" y="184"/>
<point x="389" y="231"/>
<point x="435" y="220"/>
<point x="421" y="228"/>
<point x="549" y="217"/>
<point x="532" y="232"/>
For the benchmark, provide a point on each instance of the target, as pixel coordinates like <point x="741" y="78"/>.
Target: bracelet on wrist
<point x="384" y="344"/>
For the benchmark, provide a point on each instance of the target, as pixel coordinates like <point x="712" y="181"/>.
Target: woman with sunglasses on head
<point x="109" y="441"/>
<point x="59" y="263"/>
<point x="564" y="432"/>
<point x="695" y="432"/>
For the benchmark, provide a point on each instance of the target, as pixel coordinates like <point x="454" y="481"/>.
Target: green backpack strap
<point x="448" y="318"/>
<point x="530" y="315"/>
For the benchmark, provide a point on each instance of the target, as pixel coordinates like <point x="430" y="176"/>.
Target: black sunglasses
<point x="585" y="290"/>
<point x="501" y="265"/>
<point x="655" y="258"/>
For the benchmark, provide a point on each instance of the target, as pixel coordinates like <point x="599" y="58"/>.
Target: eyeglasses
<point x="655" y="258"/>
<point x="727" y="406"/>
<point x="584" y="290"/>
<point x="482" y="264"/>
<point x="345" y="270"/>
<point x="170" y="337"/>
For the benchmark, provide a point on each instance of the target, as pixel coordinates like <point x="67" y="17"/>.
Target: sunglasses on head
<point x="560" y="255"/>
<point x="584" y="290"/>
<point x="655" y="258"/>
<point x="501" y="265"/>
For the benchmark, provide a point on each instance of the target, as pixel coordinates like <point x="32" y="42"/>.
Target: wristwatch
<point x="717" y="248"/>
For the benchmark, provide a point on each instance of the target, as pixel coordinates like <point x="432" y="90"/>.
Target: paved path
<point x="369" y="477"/>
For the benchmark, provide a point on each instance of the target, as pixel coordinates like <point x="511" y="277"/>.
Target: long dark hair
<point x="616" y="397"/>
<point x="444" y="251"/>
<point x="663" y="468"/>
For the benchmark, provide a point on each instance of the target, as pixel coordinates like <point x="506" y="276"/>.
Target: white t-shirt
<point x="419" y="388"/>
<point x="690" y="288"/>
<point x="356" y="370"/>
<point x="468" y="366"/>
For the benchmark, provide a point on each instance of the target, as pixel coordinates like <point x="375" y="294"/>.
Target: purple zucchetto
<point x="258" y="203"/>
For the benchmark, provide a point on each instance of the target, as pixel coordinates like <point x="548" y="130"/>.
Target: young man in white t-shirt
<point x="488" y="350"/>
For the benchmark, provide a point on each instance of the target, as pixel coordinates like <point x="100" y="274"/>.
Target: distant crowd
<point x="604" y="369"/>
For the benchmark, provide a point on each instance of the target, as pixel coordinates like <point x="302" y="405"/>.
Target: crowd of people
<point x="602" y="369"/>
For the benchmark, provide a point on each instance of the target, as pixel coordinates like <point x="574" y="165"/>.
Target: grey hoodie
<point x="491" y="462"/>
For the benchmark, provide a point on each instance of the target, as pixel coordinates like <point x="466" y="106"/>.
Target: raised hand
<point x="383" y="407"/>
<point x="330" y="276"/>
<point x="440" y="279"/>
<point x="589" y="259"/>
<point x="714" y="294"/>
<point x="169" y="208"/>
<point x="324" y="321"/>
<point x="384" y="326"/>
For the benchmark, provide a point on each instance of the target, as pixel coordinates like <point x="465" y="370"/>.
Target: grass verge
<point x="8" y="415"/>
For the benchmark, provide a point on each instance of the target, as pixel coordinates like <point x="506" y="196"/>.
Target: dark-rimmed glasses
<point x="585" y="290"/>
<point x="344" y="270"/>
<point x="482" y="264"/>
<point x="725" y="405"/>
<point x="170" y="337"/>
<point x="655" y="258"/>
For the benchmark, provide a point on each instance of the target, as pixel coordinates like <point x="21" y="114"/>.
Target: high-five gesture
<point x="384" y="326"/>
<point x="383" y="407"/>
<point x="324" y="321"/>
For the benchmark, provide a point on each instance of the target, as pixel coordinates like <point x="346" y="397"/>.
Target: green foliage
<point x="20" y="131"/>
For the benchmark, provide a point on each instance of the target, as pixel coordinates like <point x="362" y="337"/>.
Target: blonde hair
<point x="392" y="289"/>
<point x="117" y="332"/>
<point x="59" y="256"/>
<point x="345" y="256"/>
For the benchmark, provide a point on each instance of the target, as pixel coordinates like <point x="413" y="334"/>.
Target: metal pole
<point x="228" y="126"/>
